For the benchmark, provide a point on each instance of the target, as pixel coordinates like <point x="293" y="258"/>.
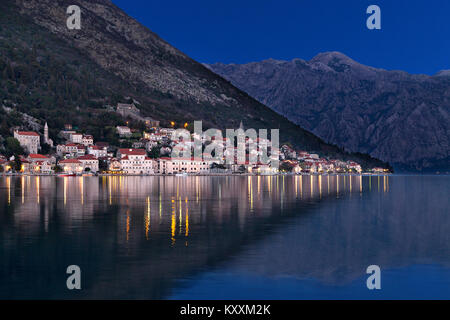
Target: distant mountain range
<point x="395" y="116"/>
<point x="61" y="75"/>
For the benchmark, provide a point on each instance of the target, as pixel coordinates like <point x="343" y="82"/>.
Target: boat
<point x="67" y="175"/>
<point x="184" y="174"/>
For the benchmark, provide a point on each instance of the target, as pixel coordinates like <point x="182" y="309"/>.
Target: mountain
<point x="392" y="115"/>
<point x="61" y="75"/>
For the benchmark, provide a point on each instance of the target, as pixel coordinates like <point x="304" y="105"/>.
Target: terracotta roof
<point x="133" y="152"/>
<point x="37" y="156"/>
<point x="70" y="161"/>
<point x="182" y="159"/>
<point x="28" y="133"/>
<point x="87" y="157"/>
<point x="102" y="144"/>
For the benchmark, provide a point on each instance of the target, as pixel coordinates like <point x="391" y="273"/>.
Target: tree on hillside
<point x="13" y="147"/>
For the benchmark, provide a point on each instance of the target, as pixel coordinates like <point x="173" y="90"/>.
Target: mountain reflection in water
<point x="141" y="237"/>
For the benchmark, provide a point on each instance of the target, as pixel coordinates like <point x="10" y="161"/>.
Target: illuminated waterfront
<point x="169" y="237"/>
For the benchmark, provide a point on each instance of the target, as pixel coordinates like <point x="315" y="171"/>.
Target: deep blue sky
<point x="415" y="34"/>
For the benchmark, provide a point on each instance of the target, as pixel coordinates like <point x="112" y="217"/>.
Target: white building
<point x="137" y="165"/>
<point x="70" y="150"/>
<point x="71" y="166"/>
<point x="351" y="165"/>
<point x="87" y="140"/>
<point x="33" y="157"/>
<point x="123" y="131"/>
<point x="89" y="161"/>
<point x="98" y="152"/>
<point x="76" y="138"/>
<point x="115" y="165"/>
<point x="135" y="161"/>
<point x="41" y="167"/>
<point x="168" y="165"/>
<point x="29" y="140"/>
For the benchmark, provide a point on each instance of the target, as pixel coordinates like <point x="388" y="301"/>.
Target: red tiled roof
<point x="37" y="156"/>
<point x="133" y="152"/>
<point x="87" y="157"/>
<point x="28" y="133"/>
<point x="70" y="161"/>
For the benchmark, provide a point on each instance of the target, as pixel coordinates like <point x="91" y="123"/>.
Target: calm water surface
<point x="285" y="237"/>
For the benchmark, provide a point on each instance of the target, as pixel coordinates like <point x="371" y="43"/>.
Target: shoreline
<point x="191" y="175"/>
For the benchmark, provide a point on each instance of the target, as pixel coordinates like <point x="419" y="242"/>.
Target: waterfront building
<point x="89" y="162"/>
<point x="351" y="165"/>
<point x="39" y="167"/>
<point x="168" y="165"/>
<point x="25" y="165"/>
<point x="33" y="157"/>
<point x="115" y="165"/>
<point x="379" y="170"/>
<point x="135" y="161"/>
<point x="71" y="166"/>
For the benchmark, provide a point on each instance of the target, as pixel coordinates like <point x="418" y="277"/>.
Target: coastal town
<point x="149" y="153"/>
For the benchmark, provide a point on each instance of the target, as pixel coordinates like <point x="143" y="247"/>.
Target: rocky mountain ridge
<point x="393" y="115"/>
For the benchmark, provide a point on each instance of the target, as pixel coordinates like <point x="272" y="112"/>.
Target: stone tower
<point x="47" y="140"/>
<point x="46" y="133"/>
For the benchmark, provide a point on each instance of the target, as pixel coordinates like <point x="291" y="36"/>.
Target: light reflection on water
<point x="137" y="237"/>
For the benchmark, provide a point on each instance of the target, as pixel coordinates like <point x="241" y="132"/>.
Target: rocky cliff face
<point x="395" y="116"/>
<point x="122" y="45"/>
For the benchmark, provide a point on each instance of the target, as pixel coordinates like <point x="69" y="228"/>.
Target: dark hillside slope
<point x="62" y="75"/>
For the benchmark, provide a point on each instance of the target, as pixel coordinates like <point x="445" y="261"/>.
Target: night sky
<point x="415" y="34"/>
